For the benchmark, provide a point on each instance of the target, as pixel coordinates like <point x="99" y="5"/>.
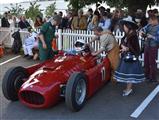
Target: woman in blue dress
<point x="129" y="70"/>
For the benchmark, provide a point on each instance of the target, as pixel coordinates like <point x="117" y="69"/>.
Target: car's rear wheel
<point x="12" y="81"/>
<point x="76" y="91"/>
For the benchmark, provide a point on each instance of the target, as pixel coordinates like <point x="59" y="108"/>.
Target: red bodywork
<point x="43" y="88"/>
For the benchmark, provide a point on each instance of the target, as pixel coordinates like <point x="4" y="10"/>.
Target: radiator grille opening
<point x="32" y="97"/>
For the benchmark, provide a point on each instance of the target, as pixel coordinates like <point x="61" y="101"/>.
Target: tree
<point x="15" y="9"/>
<point x="50" y="9"/>
<point x="132" y="5"/>
<point x="78" y="4"/>
<point x="33" y="11"/>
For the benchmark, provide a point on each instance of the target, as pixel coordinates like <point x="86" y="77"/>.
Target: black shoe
<point x="25" y="56"/>
<point x="30" y="57"/>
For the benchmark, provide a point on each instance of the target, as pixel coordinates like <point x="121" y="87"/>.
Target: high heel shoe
<point x="126" y="93"/>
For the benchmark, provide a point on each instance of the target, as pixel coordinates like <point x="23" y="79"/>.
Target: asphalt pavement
<point x="106" y="104"/>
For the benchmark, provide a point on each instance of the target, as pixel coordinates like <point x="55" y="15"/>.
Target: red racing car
<point x="72" y="77"/>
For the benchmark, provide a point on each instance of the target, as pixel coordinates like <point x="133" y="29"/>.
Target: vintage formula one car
<point x="72" y="77"/>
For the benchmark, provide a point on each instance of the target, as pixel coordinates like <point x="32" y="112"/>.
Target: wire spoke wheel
<point x="76" y="91"/>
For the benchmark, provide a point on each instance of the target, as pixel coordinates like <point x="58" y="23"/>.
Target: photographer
<point x="151" y="34"/>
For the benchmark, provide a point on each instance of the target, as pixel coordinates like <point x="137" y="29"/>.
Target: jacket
<point x="131" y="41"/>
<point x="79" y="23"/>
<point x="154" y="31"/>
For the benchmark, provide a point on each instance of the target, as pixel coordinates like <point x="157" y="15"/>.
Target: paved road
<point x="106" y="104"/>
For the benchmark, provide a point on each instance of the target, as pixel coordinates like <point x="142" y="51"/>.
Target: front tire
<point x="76" y="91"/>
<point x="12" y="81"/>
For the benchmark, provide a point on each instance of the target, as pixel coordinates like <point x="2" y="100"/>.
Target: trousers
<point x="150" y="56"/>
<point x="28" y="50"/>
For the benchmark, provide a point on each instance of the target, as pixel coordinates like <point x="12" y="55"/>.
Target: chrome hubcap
<point x="80" y="91"/>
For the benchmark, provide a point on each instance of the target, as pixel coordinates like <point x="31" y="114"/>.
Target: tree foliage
<point x="78" y="4"/>
<point x="132" y="5"/>
<point x="50" y="9"/>
<point x="33" y="11"/>
<point x="15" y="9"/>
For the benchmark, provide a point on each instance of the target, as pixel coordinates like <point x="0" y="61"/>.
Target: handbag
<point x="129" y="57"/>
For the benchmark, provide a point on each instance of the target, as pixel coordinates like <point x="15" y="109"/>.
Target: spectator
<point x="140" y="18"/>
<point x="79" y="22"/>
<point x="150" y="13"/>
<point x="9" y="15"/>
<point x="105" y="21"/>
<point x="109" y="45"/>
<point x="60" y="14"/>
<point x="55" y="13"/>
<point x="129" y="70"/>
<point x="23" y="23"/>
<point x="14" y="22"/>
<point x="101" y="10"/>
<point x="155" y="11"/>
<point x="38" y="22"/>
<point x="46" y="36"/>
<point x="66" y="21"/>
<point x="151" y="32"/>
<point x="108" y="10"/>
<point x="70" y="18"/>
<point x="4" y="21"/>
<point x="95" y="21"/>
<point x="17" y="43"/>
<point x="90" y="15"/>
<point x="116" y="17"/>
<point x="29" y="44"/>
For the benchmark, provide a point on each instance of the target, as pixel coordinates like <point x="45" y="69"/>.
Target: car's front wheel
<point x="12" y="81"/>
<point x="76" y="91"/>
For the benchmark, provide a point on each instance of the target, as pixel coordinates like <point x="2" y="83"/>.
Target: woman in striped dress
<point x="129" y="71"/>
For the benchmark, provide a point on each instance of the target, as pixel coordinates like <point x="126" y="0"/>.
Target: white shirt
<point x="105" y="25"/>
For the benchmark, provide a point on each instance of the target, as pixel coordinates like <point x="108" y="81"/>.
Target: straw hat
<point x="129" y="21"/>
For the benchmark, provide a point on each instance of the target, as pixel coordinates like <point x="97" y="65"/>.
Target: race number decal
<point x="32" y="80"/>
<point x="103" y="72"/>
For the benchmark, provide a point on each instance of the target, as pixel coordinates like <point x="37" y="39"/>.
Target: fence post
<point x="59" y="39"/>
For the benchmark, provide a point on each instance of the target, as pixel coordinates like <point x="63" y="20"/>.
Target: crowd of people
<point x="124" y="57"/>
<point x="78" y="20"/>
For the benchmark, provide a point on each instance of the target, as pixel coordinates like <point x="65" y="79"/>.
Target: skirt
<point x="129" y="72"/>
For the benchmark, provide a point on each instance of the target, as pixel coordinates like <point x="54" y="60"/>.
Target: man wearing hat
<point x="109" y="45"/>
<point x="47" y="34"/>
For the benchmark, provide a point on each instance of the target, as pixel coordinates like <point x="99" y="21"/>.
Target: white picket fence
<point x="66" y="38"/>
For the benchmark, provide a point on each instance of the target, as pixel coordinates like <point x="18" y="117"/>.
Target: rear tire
<point x="76" y="91"/>
<point x="12" y="81"/>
